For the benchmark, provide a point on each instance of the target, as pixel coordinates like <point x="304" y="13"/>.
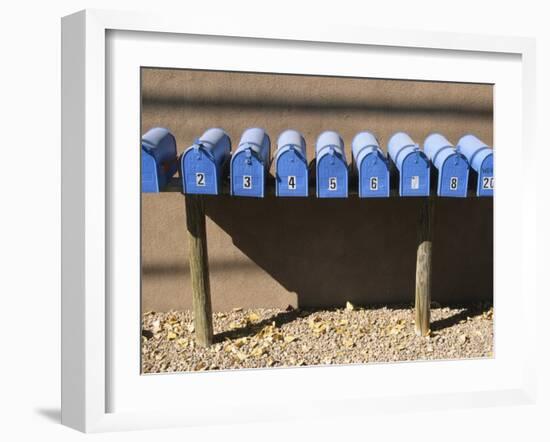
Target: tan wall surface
<point x="310" y="252"/>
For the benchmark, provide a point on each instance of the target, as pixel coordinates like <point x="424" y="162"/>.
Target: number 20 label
<point x="488" y="183"/>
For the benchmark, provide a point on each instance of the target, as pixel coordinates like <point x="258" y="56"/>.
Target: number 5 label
<point x="332" y="183"/>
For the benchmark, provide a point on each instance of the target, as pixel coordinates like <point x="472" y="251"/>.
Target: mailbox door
<point x="247" y="176"/>
<point x="415" y="176"/>
<point x="485" y="179"/>
<point x="149" y="175"/>
<point x="291" y="174"/>
<point x="199" y="174"/>
<point x="453" y="177"/>
<point x="332" y="177"/>
<point x="374" y="177"/>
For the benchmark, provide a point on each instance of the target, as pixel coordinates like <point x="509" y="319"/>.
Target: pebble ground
<point x="261" y="338"/>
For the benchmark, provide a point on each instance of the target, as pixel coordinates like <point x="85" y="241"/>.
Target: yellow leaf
<point x="289" y="339"/>
<point x="237" y="309"/>
<point x="258" y="351"/>
<point x="253" y="317"/>
<point x="348" y="342"/>
<point x="349" y="306"/>
<point x="171" y="336"/>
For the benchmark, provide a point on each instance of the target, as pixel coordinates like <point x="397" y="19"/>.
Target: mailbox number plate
<point x="332" y="183"/>
<point x="488" y="182"/>
<point x="291" y="182"/>
<point x="453" y="184"/>
<point x="415" y="182"/>
<point x="247" y="182"/>
<point x="374" y="183"/>
<point x="200" y="180"/>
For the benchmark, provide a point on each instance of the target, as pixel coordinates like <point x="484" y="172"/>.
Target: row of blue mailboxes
<point x="201" y="165"/>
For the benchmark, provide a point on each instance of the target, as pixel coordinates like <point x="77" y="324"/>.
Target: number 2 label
<point x="199" y="179"/>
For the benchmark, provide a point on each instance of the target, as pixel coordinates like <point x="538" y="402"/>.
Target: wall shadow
<point x="363" y="251"/>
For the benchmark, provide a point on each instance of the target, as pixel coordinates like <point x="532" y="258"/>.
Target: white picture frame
<point x="95" y="321"/>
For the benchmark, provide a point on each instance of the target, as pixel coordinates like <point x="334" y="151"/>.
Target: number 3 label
<point x="332" y="183"/>
<point x="247" y="182"/>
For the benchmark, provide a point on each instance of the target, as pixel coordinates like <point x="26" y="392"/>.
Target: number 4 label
<point x="488" y="183"/>
<point x="292" y="182"/>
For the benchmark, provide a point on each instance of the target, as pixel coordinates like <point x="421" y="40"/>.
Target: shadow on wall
<point x="363" y="251"/>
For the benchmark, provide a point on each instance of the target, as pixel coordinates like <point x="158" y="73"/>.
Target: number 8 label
<point x="454" y="183"/>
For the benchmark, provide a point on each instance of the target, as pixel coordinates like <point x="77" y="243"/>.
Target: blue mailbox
<point x="452" y="166"/>
<point x="159" y="160"/>
<point x="480" y="157"/>
<point x="412" y="164"/>
<point x="331" y="166"/>
<point x="371" y="165"/>
<point x="291" y="174"/>
<point x="250" y="164"/>
<point x="203" y="162"/>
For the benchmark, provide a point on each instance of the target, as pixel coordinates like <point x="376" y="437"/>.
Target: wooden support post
<point x="424" y="267"/>
<point x="198" y="264"/>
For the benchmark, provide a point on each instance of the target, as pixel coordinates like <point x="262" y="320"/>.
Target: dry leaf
<point x="348" y="342"/>
<point x="253" y="317"/>
<point x="237" y="309"/>
<point x="462" y="339"/>
<point x="349" y="306"/>
<point x="289" y="339"/>
<point x="171" y="336"/>
<point x="257" y="352"/>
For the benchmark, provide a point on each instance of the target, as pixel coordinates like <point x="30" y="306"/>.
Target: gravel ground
<point x="292" y="337"/>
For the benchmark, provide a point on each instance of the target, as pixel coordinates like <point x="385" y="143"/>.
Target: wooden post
<point x="198" y="263"/>
<point x="424" y="267"/>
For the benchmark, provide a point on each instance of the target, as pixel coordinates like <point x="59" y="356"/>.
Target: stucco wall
<point x="311" y="252"/>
